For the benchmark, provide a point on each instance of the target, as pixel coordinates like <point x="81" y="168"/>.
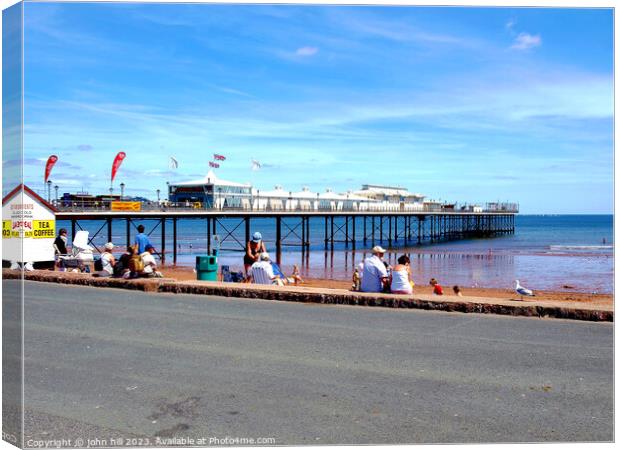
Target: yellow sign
<point x="37" y="229"/>
<point x="6" y="229"/>
<point x="126" y="206"/>
<point x="43" y="229"/>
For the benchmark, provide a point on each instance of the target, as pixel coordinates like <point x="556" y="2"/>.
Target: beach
<point x="568" y="295"/>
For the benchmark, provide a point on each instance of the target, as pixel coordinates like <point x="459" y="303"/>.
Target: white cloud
<point x="307" y="51"/>
<point x="526" y="41"/>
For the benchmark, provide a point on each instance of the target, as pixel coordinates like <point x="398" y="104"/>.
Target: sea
<point x="547" y="252"/>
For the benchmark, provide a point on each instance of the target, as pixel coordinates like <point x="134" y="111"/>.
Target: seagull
<point x="523" y="291"/>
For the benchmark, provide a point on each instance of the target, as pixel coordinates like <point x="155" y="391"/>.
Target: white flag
<point x="174" y="164"/>
<point x="255" y="165"/>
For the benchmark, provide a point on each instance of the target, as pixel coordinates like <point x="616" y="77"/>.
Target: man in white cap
<point x="261" y="271"/>
<point x="375" y="274"/>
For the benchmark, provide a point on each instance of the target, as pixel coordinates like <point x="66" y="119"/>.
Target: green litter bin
<point x="206" y="268"/>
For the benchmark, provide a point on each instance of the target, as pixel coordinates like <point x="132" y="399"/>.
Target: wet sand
<point x="569" y="295"/>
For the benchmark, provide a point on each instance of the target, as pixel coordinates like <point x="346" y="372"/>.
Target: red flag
<point x="219" y="157"/>
<point x="117" y="163"/>
<point x="212" y="164"/>
<point x="48" y="166"/>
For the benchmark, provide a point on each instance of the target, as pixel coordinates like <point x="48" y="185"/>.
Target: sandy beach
<point x="569" y="295"/>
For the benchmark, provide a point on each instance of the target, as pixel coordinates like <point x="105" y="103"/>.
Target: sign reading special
<point x="125" y="206"/>
<point x="28" y="227"/>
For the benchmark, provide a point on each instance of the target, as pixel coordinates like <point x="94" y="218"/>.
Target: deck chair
<point x="81" y="253"/>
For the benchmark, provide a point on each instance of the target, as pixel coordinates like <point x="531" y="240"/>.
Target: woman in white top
<point x="107" y="261"/>
<point x="399" y="282"/>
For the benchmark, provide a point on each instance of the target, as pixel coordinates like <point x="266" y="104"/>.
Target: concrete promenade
<point x="487" y="305"/>
<point x="110" y="363"/>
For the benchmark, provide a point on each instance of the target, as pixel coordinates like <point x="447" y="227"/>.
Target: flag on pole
<point x="212" y="164"/>
<point x="219" y="157"/>
<point x="48" y="166"/>
<point x="174" y="164"/>
<point x="116" y="164"/>
<point x="256" y="165"/>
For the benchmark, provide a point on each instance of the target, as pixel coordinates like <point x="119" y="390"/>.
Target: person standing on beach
<point x="141" y="240"/>
<point x="253" y="249"/>
<point x="375" y="275"/>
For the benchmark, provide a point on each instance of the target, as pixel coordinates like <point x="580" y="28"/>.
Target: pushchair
<point x="81" y="254"/>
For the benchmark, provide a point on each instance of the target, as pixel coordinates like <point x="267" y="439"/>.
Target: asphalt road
<point x="114" y="363"/>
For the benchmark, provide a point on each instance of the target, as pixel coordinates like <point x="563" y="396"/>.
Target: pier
<point x="292" y="227"/>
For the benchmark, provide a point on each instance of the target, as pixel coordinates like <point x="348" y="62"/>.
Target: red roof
<point x="32" y="193"/>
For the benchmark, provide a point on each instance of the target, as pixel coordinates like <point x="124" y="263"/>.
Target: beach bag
<point x="136" y="264"/>
<point x="98" y="265"/>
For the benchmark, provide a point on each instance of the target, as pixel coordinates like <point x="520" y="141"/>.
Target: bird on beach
<point x="523" y="291"/>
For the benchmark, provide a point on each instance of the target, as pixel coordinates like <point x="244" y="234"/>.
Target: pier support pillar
<point x="208" y="235"/>
<point x="109" y="230"/>
<point x="174" y="241"/>
<point x="246" y="219"/>
<point x="72" y="230"/>
<point x="395" y="228"/>
<point x="128" y="232"/>
<point x="373" y="231"/>
<point x="353" y="231"/>
<point x="279" y="239"/>
<point x="326" y="238"/>
<point x="163" y="240"/>
<point x="420" y="229"/>
<point x="364" y="217"/>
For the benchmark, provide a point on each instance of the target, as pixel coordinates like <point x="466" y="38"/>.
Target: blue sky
<point x="460" y="104"/>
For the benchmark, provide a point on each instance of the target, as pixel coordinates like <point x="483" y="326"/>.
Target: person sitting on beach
<point x="261" y="272"/>
<point x="121" y="268"/>
<point x="150" y="265"/>
<point x="252" y="251"/>
<point x="107" y="261"/>
<point x="60" y="247"/>
<point x="295" y="276"/>
<point x="437" y="289"/>
<point x="457" y="291"/>
<point x="375" y="275"/>
<point x="357" y="280"/>
<point x="400" y="274"/>
<point x="141" y="240"/>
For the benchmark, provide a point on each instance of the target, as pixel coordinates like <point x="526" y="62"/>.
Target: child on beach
<point x="437" y="289"/>
<point x="296" y="276"/>
<point x="457" y="291"/>
<point x="357" y="280"/>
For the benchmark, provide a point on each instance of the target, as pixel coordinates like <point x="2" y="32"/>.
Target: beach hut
<point x="28" y="227"/>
